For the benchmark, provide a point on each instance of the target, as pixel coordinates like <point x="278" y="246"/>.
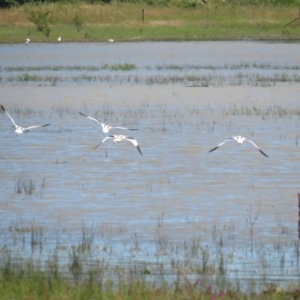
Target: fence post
<point x="207" y="18"/>
<point x="299" y="216"/>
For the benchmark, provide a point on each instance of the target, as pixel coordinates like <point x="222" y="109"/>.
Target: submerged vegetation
<point x="189" y="75"/>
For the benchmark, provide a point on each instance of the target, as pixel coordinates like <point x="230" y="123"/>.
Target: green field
<point x="121" y="22"/>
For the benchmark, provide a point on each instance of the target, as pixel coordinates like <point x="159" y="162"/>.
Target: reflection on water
<point x="176" y="192"/>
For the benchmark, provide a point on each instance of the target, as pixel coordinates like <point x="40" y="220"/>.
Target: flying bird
<point x="120" y="138"/>
<point x="105" y="128"/>
<point x="240" y="140"/>
<point x="20" y="129"/>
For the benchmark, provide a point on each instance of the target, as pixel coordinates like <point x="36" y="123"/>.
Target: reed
<point x="201" y="265"/>
<point x="24" y="184"/>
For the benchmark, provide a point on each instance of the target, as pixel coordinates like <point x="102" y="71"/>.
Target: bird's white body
<point x="105" y="128"/>
<point x="240" y="140"/>
<point x="19" y="129"/>
<point x="27" y="41"/>
<point x="59" y="39"/>
<point x="120" y="138"/>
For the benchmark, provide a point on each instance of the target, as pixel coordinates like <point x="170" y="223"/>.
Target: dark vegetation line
<point x="178" y="3"/>
<point x="128" y="67"/>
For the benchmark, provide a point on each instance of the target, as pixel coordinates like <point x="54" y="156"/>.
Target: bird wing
<point x="116" y="127"/>
<point x="108" y="137"/>
<point x="35" y="126"/>
<point x="256" y="147"/>
<point x="123" y="128"/>
<point x="229" y="139"/>
<point x="134" y="142"/>
<point x="93" y="119"/>
<point x="9" y="116"/>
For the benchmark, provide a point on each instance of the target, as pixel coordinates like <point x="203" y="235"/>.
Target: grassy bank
<point x="125" y="22"/>
<point x="88" y="263"/>
<point x="28" y="283"/>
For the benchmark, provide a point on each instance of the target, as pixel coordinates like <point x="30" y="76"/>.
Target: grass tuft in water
<point x="24" y="184"/>
<point x="122" y="67"/>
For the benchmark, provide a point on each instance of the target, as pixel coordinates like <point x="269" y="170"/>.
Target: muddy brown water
<point x="176" y="186"/>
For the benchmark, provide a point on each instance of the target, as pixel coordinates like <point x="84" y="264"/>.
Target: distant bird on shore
<point x="27" y="41"/>
<point x="59" y="39"/>
<point x="111" y="40"/>
<point x="120" y="138"/>
<point x="106" y="128"/>
<point x="20" y="129"/>
<point x="240" y="140"/>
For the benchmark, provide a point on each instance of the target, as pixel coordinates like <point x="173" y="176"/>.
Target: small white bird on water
<point x="27" y="41"/>
<point x="240" y="140"/>
<point x="120" y="138"/>
<point x="20" y="129"/>
<point x="106" y="128"/>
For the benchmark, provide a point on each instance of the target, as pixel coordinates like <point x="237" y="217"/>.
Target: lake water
<point x="176" y="193"/>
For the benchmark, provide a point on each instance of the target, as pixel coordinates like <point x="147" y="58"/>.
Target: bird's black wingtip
<point x="139" y="149"/>
<point x="263" y="153"/>
<point x="213" y="149"/>
<point x="97" y="146"/>
<point x="82" y="114"/>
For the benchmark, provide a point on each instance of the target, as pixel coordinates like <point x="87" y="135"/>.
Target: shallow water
<point x="176" y="190"/>
<point x="149" y="53"/>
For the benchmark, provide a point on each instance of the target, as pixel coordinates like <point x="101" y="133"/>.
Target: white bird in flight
<point x="105" y="128"/>
<point x="119" y="138"/>
<point x="240" y="140"/>
<point x="20" y="129"/>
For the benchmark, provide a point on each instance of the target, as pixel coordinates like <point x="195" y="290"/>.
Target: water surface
<point x="176" y="191"/>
